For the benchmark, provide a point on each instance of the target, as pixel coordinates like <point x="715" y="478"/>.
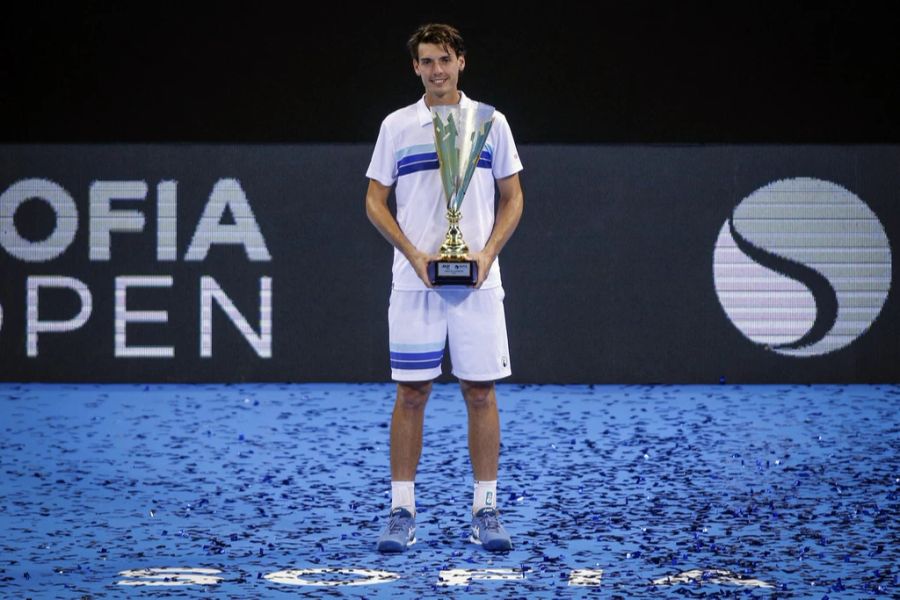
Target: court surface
<point x="249" y="491"/>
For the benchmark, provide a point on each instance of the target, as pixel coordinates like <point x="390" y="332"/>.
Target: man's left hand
<point x="484" y="261"/>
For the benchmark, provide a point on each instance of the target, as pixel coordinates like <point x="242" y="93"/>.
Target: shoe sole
<point x="495" y="547"/>
<point x="392" y="546"/>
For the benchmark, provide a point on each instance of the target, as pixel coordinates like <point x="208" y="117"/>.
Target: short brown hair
<point x="445" y="36"/>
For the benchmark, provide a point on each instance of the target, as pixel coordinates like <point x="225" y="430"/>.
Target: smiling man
<point x="422" y="318"/>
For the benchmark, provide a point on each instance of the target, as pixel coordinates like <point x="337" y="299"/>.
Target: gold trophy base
<point x="453" y="268"/>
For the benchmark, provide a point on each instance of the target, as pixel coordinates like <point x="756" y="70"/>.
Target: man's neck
<point x="454" y="97"/>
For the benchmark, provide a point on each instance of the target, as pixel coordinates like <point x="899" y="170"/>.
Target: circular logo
<point x="802" y="267"/>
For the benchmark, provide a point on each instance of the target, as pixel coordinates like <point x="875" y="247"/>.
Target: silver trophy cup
<point x="459" y="137"/>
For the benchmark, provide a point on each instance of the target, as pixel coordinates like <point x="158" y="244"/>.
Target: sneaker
<point x="399" y="533"/>
<point x="487" y="531"/>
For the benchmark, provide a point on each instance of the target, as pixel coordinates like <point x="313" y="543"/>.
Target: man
<point x="421" y="317"/>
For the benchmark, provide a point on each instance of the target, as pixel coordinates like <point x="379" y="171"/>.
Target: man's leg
<point x="406" y="448"/>
<point x="417" y="322"/>
<point x="484" y="450"/>
<point x="484" y="428"/>
<point x="480" y="355"/>
<point x="406" y="429"/>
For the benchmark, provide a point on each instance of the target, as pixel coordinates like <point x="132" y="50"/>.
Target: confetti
<point x="793" y="487"/>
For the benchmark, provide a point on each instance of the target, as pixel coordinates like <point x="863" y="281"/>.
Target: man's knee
<point x="413" y="395"/>
<point x="478" y="394"/>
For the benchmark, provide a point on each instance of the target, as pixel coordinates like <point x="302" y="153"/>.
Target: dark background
<point x="651" y="72"/>
<point x="641" y="127"/>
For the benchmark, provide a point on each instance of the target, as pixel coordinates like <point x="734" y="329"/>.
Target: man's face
<point x="439" y="69"/>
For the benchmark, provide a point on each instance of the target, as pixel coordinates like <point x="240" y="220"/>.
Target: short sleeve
<point x="505" y="161"/>
<point x="383" y="167"/>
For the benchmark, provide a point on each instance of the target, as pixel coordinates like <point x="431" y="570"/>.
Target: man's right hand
<point x="419" y="262"/>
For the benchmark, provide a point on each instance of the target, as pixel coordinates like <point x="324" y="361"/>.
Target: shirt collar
<point x="425" y="113"/>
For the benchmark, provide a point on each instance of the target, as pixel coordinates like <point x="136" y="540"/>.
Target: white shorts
<point x="420" y="323"/>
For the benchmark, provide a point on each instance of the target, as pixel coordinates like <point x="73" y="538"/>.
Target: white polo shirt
<point x="405" y="155"/>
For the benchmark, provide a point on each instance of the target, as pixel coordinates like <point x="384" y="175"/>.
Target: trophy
<point x="459" y="137"/>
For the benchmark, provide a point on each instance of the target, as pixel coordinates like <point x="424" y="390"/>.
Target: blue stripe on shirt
<point x="413" y="163"/>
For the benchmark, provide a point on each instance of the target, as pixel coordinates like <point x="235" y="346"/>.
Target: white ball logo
<point x="802" y="267"/>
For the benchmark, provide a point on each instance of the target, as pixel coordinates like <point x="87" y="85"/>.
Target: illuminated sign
<point x="802" y="267"/>
<point x="104" y="220"/>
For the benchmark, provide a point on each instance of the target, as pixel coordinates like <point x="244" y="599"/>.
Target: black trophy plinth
<point x="453" y="273"/>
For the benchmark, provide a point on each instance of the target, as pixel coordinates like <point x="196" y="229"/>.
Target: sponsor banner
<point x="631" y="264"/>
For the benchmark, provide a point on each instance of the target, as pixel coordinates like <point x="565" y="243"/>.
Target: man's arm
<point x="380" y="215"/>
<point x="509" y="211"/>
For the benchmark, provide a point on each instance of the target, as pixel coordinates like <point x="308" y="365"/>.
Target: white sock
<point x="403" y="494"/>
<point x="485" y="495"/>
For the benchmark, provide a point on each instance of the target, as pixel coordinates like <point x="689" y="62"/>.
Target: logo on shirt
<point x="802" y="267"/>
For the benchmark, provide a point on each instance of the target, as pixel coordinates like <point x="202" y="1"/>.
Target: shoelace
<point x="491" y="523"/>
<point x="397" y="524"/>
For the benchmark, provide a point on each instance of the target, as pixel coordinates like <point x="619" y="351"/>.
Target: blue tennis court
<point x="248" y="491"/>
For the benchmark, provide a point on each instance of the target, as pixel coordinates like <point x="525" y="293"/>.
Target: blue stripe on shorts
<point x="417" y="356"/>
<point x="415" y="364"/>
